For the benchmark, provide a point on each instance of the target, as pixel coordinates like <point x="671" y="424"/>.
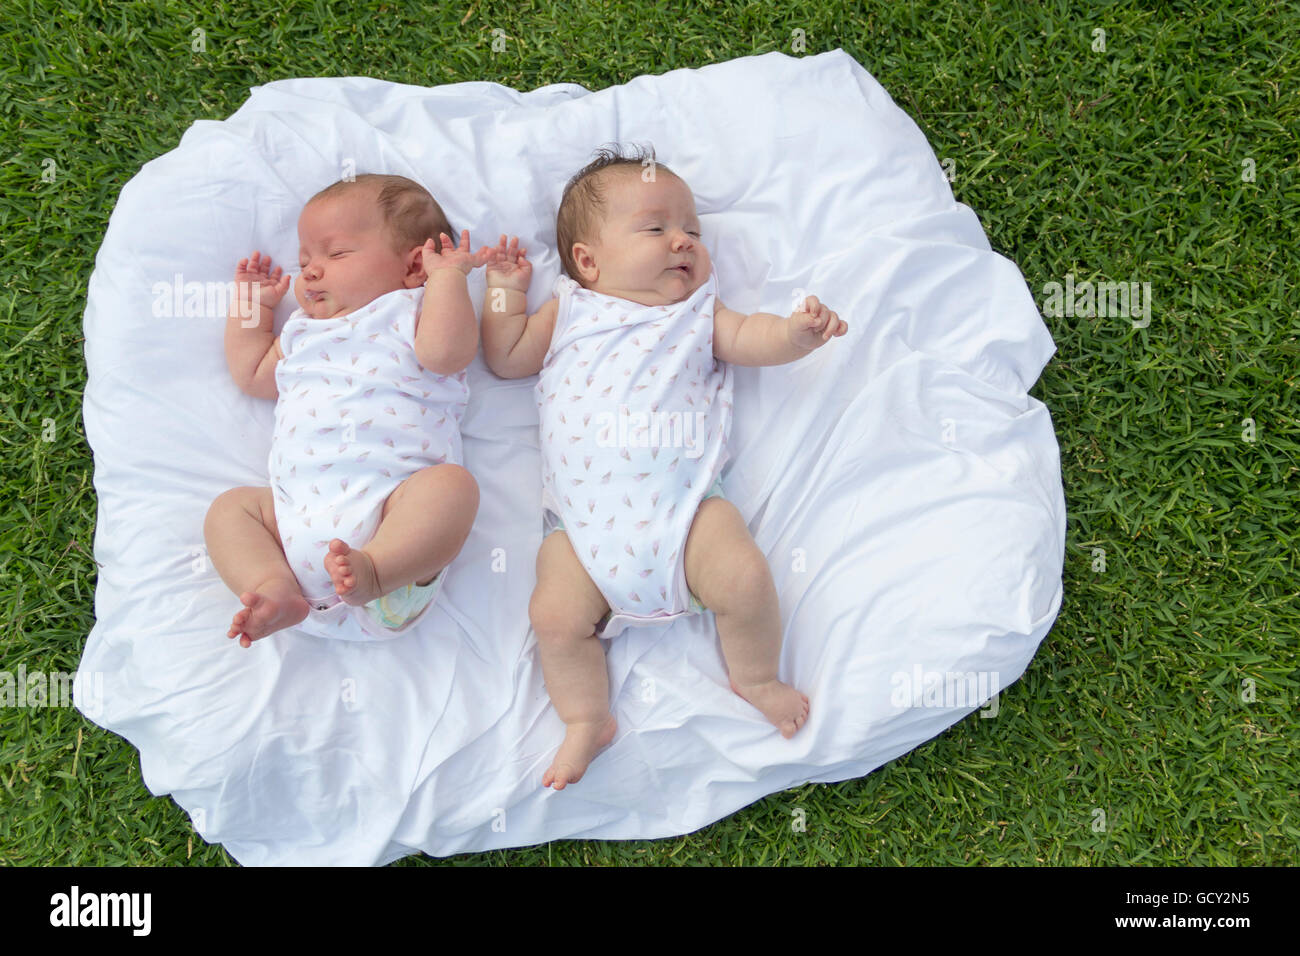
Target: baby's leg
<point x="423" y="525"/>
<point x="564" y="610"/>
<point x="730" y="576"/>
<point x="244" y="543"/>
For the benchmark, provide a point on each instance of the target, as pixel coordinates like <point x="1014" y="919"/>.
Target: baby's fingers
<point x="449" y="246"/>
<point x="512" y="252"/>
<point x="818" y="317"/>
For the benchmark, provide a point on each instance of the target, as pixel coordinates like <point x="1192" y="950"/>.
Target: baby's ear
<point x="415" y="274"/>
<point x="586" y="265"/>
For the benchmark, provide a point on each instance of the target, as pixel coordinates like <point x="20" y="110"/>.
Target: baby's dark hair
<point x="410" y="212"/>
<point x="583" y="201"/>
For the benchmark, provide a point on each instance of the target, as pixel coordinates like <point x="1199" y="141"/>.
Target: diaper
<point x="405" y="606"/>
<point x="381" y="619"/>
<point x="552" y="522"/>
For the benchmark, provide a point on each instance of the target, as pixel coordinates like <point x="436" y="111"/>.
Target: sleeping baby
<point x="368" y="502"/>
<point x="634" y="397"/>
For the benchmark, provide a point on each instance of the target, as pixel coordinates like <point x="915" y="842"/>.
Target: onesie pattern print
<point x="635" y="413"/>
<point x="356" y="415"/>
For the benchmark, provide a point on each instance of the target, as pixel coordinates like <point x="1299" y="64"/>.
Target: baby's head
<point x="627" y="227"/>
<point x="360" y="239"/>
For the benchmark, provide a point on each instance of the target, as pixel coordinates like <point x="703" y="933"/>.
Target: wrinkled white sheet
<point x="903" y="485"/>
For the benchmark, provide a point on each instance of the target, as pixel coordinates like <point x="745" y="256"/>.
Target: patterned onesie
<point x="635" y="413"/>
<point x="356" y="415"/>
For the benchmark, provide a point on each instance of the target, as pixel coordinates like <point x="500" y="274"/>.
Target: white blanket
<point x="903" y="485"/>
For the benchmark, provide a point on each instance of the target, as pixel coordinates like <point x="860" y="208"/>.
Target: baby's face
<point x="346" y="257"/>
<point x="649" y="250"/>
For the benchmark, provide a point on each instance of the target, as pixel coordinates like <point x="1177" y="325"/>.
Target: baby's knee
<point x="555" y="620"/>
<point x="460" y="483"/>
<point x="461" y="489"/>
<point x="235" y="500"/>
<point x="746" y="581"/>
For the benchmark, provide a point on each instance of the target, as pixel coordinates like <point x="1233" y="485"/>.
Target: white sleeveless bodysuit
<point x="635" y="412"/>
<point x="356" y="415"/>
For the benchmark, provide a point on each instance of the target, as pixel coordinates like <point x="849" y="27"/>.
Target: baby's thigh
<point x="565" y="601"/>
<point x="723" y="562"/>
<point x="256" y="502"/>
<point x="448" y="487"/>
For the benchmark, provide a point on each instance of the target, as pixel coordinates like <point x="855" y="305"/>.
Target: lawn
<point x="1129" y="142"/>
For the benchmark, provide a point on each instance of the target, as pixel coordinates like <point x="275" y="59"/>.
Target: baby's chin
<point x="326" y="308"/>
<point x="668" y="294"/>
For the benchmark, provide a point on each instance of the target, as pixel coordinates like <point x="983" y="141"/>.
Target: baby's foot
<point x="352" y="573"/>
<point x="582" y="741"/>
<point x="272" y="606"/>
<point x="780" y="703"/>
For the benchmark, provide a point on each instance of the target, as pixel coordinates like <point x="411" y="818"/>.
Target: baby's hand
<point x="256" y="285"/>
<point x="510" y="268"/>
<point x="453" y="256"/>
<point x="813" y="325"/>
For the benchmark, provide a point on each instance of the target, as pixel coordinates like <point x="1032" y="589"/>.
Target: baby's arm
<point x="766" y="339"/>
<point x="446" y="335"/>
<point x="514" y="343"/>
<point x="252" y="347"/>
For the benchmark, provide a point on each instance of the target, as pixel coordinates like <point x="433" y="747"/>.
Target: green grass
<point x="1117" y="165"/>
